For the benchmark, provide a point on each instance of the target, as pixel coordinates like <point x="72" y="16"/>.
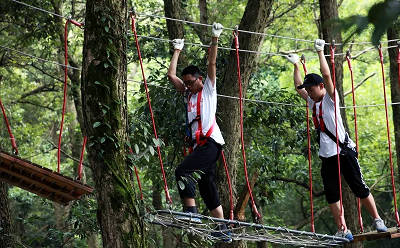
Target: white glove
<point x="319" y="45"/>
<point x="293" y="58"/>
<point x="178" y="44"/>
<point x="217" y="29"/>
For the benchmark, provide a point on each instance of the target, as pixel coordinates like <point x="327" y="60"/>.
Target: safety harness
<point x="201" y="139"/>
<point x="320" y="127"/>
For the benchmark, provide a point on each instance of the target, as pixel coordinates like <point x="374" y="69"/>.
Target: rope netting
<point x="238" y="230"/>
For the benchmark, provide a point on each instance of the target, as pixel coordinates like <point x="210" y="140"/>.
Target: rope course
<point x="242" y="230"/>
<point x="219" y="95"/>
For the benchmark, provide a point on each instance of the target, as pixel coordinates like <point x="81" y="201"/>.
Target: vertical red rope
<point x="235" y="34"/>
<point x="332" y="50"/>
<point x="303" y="62"/>
<point x="398" y="63"/>
<point x="388" y="137"/>
<point x="12" y="139"/>
<point x="81" y="159"/>
<point x="137" y="177"/>
<point x="348" y="58"/>
<point x="168" y="198"/>
<point x="229" y="185"/>
<point x="65" y="87"/>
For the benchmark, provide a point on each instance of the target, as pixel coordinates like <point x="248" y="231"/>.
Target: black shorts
<point x="199" y="168"/>
<point x="350" y="169"/>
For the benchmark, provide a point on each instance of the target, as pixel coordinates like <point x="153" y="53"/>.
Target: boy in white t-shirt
<point x="320" y="93"/>
<point x="205" y="135"/>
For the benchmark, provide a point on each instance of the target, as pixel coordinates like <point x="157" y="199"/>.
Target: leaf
<point x="181" y="185"/>
<point x="106" y="28"/>
<point x="196" y="175"/>
<point x="156" y="142"/>
<point x="97" y="82"/>
<point x="136" y="149"/>
<point x="96" y="124"/>
<point x="102" y="140"/>
<point x="146" y="156"/>
<point x="151" y="150"/>
<point x="106" y="65"/>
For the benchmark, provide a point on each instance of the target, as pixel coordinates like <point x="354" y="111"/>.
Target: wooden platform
<point x="392" y="233"/>
<point x="39" y="180"/>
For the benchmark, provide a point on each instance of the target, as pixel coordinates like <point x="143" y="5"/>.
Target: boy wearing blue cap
<point x="320" y="93"/>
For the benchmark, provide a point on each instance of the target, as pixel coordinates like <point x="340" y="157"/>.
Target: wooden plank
<point x="391" y="233"/>
<point x="40" y="180"/>
<point x="36" y="183"/>
<point x="34" y="168"/>
<point x="46" y="195"/>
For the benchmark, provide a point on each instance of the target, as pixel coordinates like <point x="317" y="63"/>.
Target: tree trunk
<point x="104" y="106"/>
<point x="254" y="19"/>
<point x="6" y="233"/>
<point x="329" y="12"/>
<point x="392" y="32"/>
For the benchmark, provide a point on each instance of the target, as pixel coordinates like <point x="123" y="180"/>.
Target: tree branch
<point x="302" y="184"/>
<point x="359" y="84"/>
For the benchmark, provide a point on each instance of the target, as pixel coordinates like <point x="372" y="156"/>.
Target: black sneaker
<point x="222" y="233"/>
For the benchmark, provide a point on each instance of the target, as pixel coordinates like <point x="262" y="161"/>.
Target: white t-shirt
<point x="208" y="107"/>
<point x="327" y="145"/>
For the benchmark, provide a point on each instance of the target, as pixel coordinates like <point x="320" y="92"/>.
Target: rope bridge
<point x="241" y="230"/>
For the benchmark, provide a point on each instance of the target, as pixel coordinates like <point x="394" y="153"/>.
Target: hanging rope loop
<point x="388" y="137"/>
<point x="254" y="208"/>
<point x="167" y="196"/>
<point x="12" y="139"/>
<point x="303" y="62"/>
<point x="229" y="185"/>
<point x="81" y="159"/>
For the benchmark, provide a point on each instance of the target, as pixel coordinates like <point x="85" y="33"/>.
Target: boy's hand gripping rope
<point x="167" y="196"/>
<point x="235" y="35"/>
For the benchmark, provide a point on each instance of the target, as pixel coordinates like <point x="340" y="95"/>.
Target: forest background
<point x="275" y="134"/>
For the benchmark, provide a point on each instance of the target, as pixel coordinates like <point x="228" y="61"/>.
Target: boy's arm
<point x="326" y="73"/>
<point x="212" y="54"/>
<point x="294" y="59"/>
<point x="175" y="80"/>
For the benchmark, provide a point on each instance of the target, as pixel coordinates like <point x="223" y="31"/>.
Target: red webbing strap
<point x="198" y="110"/>
<point x="167" y="196"/>
<point x="255" y="211"/>
<point x="229" y="185"/>
<point x="137" y="177"/>
<point x="303" y="62"/>
<point x="348" y="58"/>
<point x="65" y="87"/>
<point x="332" y="50"/>
<point x="388" y="137"/>
<point x="81" y="159"/>
<point x="13" y="143"/>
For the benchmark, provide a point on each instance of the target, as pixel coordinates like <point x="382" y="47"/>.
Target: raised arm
<point x="212" y="54"/>
<point x="323" y="64"/>
<point x="294" y="59"/>
<point x="173" y="78"/>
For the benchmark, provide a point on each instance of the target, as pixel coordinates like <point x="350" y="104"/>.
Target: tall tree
<point x="394" y="33"/>
<point x="329" y="12"/>
<point x="104" y="105"/>
<point x="6" y="234"/>
<point x="254" y="19"/>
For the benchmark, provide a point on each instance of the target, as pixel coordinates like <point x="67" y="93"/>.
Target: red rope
<point x="303" y="62"/>
<point x="137" y="177"/>
<point x="332" y="50"/>
<point x="65" y="87"/>
<point x="81" y="159"/>
<point x="388" y="137"/>
<point x="151" y="111"/>
<point x="13" y="143"/>
<point x="235" y="34"/>
<point x="348" y="58"/>
<point x="229" y="185"/>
